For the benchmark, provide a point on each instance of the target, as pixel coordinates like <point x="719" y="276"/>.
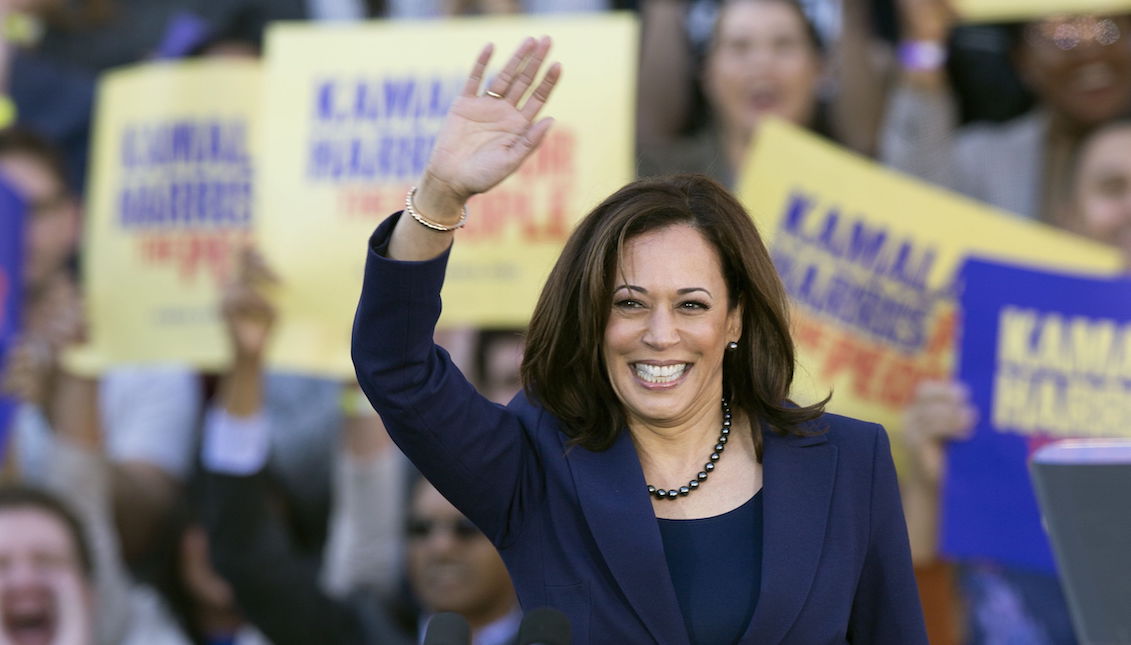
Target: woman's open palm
<point x="485" y="137"/>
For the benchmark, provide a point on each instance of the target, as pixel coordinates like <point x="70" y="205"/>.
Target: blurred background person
<point x="71" y="461"/>
<point x="453" y="567"/>
<point x="133" y="402"/>
<point x="47" y="594"/>
<point x="443" y="8"/>
<point x="52" y="51"/>
<point x="759" y="58"/>
<point x="38" y="92"/>
<point x="446" y="563"/>
<point x="764" y="57"/>
<point x="96" y="35"/>
<point x="1008" y="604"/>
<point x="1079" y="70"/>
<point x="305" y="411"/>
<point x="274" y="583"/>
<point x="1101" y="187"/>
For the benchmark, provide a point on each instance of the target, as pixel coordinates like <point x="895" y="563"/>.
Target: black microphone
<point x="447" y="628"/>
<point x="544" y="626"/>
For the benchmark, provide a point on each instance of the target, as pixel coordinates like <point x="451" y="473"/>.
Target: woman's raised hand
<point x="485" y="137"/>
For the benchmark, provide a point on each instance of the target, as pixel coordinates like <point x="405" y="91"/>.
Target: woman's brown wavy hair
<point x="562" y="369"/>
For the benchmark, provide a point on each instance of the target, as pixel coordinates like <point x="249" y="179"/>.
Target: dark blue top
<point x="717" y="601"/>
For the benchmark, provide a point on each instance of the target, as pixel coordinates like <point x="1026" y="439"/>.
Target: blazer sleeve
<point x="886" y="609"/>
<point x="474" y="451"/>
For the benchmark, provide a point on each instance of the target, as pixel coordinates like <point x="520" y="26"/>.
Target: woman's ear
<point x="734" y="323"/>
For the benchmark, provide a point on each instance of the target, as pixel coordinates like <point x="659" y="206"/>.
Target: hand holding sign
<point x="27" y="371"/>
<point x="926" y="20"/>
<point x="248" y="313"/>
<point x="939" y="412"/>
<point x="486" y="137"/>
<point x="55" y="323"/>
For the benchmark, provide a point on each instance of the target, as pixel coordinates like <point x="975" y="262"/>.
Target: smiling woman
<point x="654" y="432"/>
<point x="664" y="269"/>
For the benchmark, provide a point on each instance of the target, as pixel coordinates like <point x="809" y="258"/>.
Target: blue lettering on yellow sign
<point x="376" y="129"/>
<point x="855" y="271"/>
<point x="185" y="173"/>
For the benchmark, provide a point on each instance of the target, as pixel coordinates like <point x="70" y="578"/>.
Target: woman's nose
<point x="661" y="331"/>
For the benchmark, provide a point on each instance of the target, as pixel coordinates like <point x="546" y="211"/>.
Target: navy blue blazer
<point x="576" y="528"/>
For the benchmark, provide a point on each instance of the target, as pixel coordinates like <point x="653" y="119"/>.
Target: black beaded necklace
<point x="708" y="468"/>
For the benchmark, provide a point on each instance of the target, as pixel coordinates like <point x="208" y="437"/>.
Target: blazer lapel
<point x="610" y="486"/>
<point x="797" y="475"/>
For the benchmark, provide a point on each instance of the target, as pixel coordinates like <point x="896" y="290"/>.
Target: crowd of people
<point x="155" y="504"/>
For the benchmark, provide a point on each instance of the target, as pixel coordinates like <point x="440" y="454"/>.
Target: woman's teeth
<point x="659" y="373"/>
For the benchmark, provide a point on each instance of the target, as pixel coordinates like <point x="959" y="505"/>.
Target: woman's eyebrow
<point x="683" y="291"/>
<point x="687" y="290"/>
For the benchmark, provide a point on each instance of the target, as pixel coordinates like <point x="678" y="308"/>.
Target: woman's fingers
<point x="542" y="92"/>
<point x="500" y="85"/>
<point x="528" y="72"/>
<point x="471" y="88"/>
<point x="517" y="76"/>
<point x="538" y="131"/>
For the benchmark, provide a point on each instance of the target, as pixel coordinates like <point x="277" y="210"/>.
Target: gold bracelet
<point x="435" y="226"/>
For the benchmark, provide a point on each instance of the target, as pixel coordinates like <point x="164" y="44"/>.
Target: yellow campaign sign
<point x="352" y="114"/>
<point x="170" y="201"/>
<point x="869" y="258"/>
<point x="1007" y="10"/>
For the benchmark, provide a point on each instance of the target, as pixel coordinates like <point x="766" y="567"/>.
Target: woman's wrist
<point x="435" y="200"/>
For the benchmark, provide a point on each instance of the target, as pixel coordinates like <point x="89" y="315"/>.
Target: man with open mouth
<point x="46" y="593"/>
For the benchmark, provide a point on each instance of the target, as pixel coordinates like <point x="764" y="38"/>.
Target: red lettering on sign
<point x="191" y="255"/>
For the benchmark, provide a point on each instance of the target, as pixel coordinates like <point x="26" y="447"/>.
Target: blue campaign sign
<point x="11" y="288"/>
<point x="1046" y="356"/>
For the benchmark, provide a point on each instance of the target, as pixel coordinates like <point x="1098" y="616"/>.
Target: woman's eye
<point x="628" y="304"/>
<point x="695" y="305"/>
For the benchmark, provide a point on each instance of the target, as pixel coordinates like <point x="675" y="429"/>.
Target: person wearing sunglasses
<point x="453" y="567"/>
